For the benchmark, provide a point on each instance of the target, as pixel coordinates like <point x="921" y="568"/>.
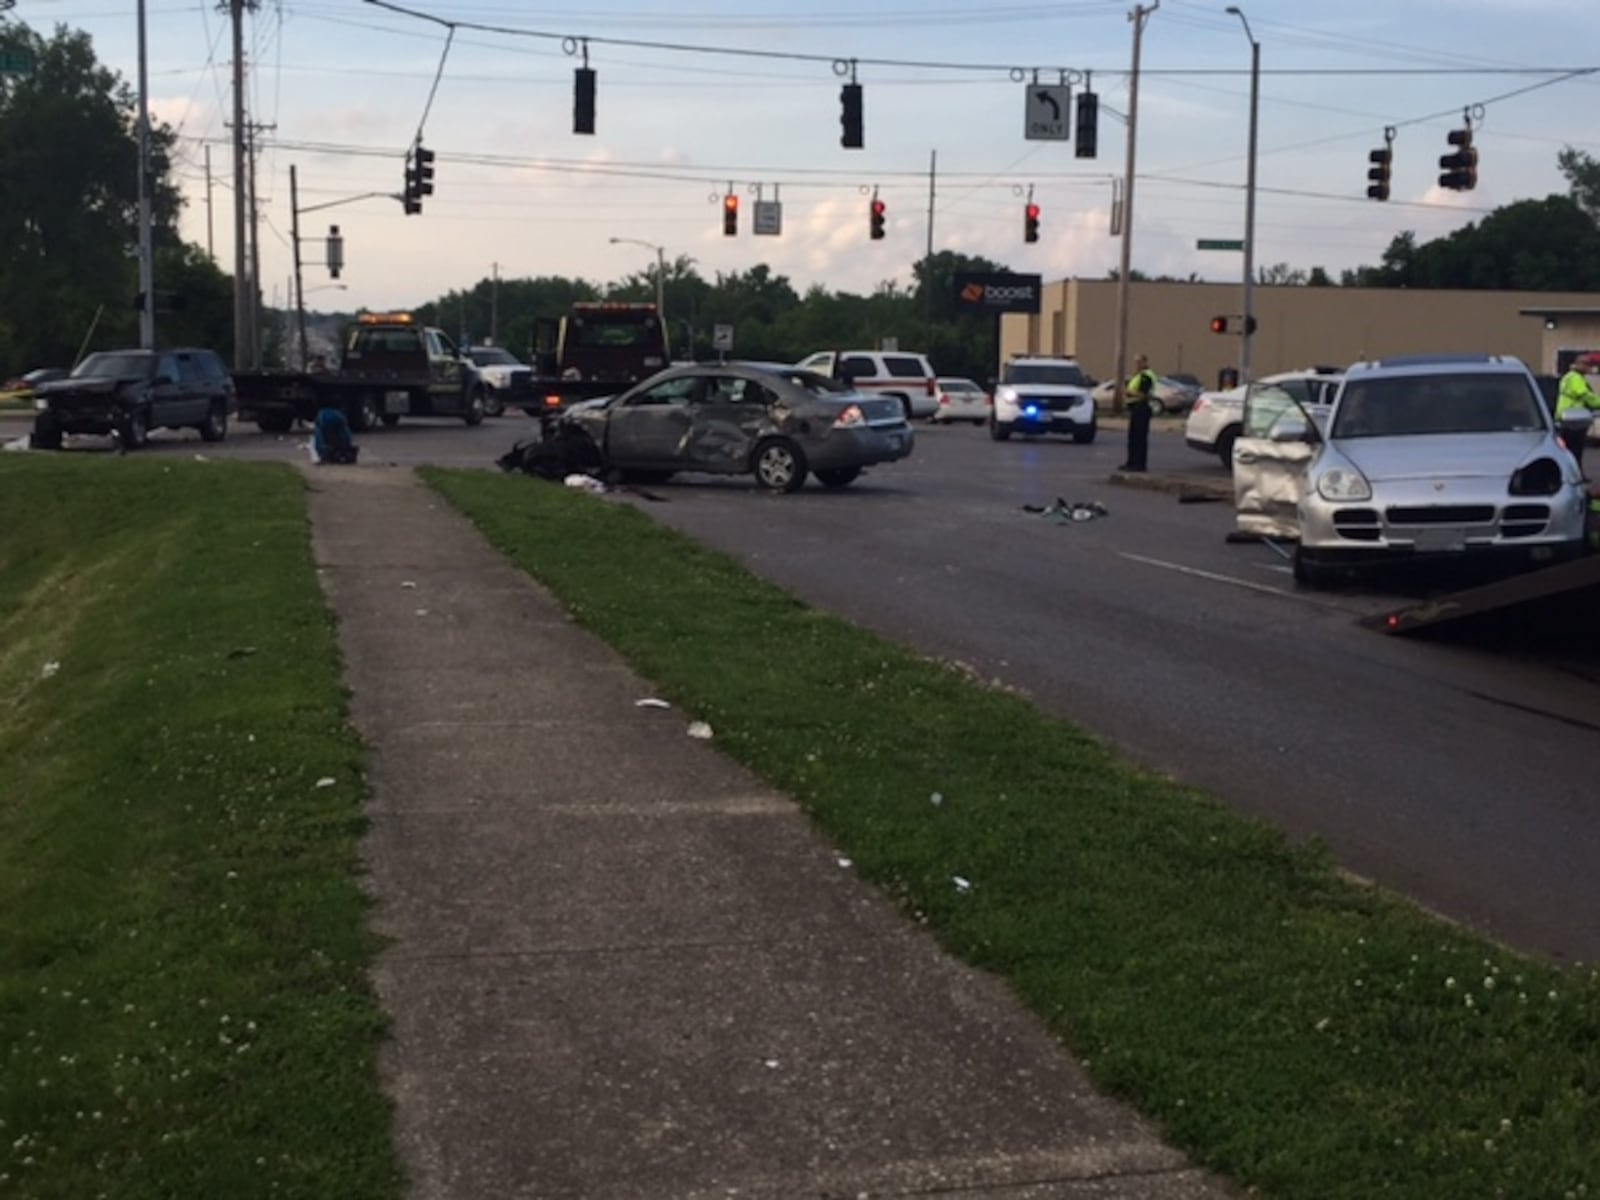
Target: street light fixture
<point x="1249" y="200"/>
<point x="661" y="281"/>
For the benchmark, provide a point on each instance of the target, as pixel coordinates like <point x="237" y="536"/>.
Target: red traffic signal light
<point x="875" y="216"/>
<point x="1219" y="324"/>
<point x="1030" y="223"/>
<point x="730" y="215"/>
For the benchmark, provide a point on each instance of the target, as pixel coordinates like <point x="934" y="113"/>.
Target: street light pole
<point x="147" y="275"/>
<point x="661" y="282"/>
<point x="1249" y="201"/>
<point x="1138" y="16"/>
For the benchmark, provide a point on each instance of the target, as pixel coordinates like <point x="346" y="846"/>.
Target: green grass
<point x="184" y="1009"/>
<point x="1303" y="1035"/>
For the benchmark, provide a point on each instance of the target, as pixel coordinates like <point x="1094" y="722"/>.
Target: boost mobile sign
<point x="998" y="293"/>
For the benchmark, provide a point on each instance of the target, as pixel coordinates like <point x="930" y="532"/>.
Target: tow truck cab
<point x="596" y="349"/>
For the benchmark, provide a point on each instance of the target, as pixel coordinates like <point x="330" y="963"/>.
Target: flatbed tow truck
<point x="390" y="368"/>
<point x="1564" y="596"/>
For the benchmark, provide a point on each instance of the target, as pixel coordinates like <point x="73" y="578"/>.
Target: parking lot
<point x="1461" y="775"/>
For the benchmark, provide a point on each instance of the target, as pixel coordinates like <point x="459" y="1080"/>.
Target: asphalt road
<point x="1465" y="777"/>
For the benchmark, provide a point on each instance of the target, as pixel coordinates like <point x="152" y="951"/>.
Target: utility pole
<point x="494" y="305"/>
<point x="255" y="255"/>
<point x="1138" y="16"/>
<point x="210" y="229"/>
<point x="927" y="274"/>
<point x="241" y="281"/>
<point x="299" y="283"/>
<point x="1249" y="202"/>
<point x="147" y="282"/>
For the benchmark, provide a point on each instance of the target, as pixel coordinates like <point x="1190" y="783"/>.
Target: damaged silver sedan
<point x="776" y="423"/>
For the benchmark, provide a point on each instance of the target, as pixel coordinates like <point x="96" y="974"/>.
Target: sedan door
<point x="650" y="428"/>
<point x="1276" y="444"/>
<point x="728" y="415"/>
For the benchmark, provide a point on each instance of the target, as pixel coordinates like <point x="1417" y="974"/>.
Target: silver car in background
<point x="776" y="423"/>
<point x="1441" y="456"/>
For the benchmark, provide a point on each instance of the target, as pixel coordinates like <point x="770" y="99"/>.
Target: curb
<point x="1183" y="486"/>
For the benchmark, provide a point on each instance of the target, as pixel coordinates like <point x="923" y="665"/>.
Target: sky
<point x="342" y="87"/>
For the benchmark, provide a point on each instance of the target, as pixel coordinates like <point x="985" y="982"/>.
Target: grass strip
<point x="184" y="1008"/>
<point x="1303" y="1035"/>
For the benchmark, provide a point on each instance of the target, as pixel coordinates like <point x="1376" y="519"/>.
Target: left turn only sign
<point x="1047" y="112"/>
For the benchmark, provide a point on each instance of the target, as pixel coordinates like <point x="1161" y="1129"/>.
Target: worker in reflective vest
<point x="1576" y="405"/>
<point x="1139" y="394"/>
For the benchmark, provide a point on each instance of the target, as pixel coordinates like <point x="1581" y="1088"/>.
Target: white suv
<point x="909" y="378"/>
<point x="1214" y="421"/>
<point x="1043" y="395"/>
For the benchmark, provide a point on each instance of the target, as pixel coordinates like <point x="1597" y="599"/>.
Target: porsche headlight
<point x="1342" y="483"/>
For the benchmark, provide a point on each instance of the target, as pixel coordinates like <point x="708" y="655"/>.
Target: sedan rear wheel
<point x="780" y="465"/>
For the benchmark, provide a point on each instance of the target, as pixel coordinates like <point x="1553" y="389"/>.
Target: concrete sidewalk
<point x="621" y="966"/>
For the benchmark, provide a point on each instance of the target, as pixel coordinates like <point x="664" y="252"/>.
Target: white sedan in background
<point x="961" y="400"/>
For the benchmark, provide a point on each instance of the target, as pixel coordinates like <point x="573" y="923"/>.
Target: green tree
<point x="69" y="202"/>
<point x="1583" y="178"/>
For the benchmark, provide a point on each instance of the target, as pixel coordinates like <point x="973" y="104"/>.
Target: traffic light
<point x="875" y="215"/>
<point x="410" y="199"/>
<point x="333" y="252"/>
<point x="583" y="100"/>
<point x="1030" y="222"/>
<point x="1088" y="131"/>
<point x="850" y="116"/>
<point x="1382" y="163"/>
<point x="1219" y="324"/>
<point x="730" y="215"/>
<point x="424" y="162"/>
<point x="1459" y="171"/>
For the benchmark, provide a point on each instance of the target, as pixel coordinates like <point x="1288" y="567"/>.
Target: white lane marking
<point x="1229" y="579"/>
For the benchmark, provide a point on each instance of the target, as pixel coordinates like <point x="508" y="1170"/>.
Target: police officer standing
<point x="1576" y="404"/>
<point x="1139" y="394"/>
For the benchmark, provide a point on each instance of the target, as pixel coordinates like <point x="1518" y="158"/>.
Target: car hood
<point x="1045" y="389"/>
<point x="1441" y="456"/>
<point x="83" y="387"/>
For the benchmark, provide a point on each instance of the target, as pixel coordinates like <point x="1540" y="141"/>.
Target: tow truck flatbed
<point x="1570" y="590"/>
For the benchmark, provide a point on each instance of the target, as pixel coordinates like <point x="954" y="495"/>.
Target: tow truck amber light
<point x="384" y="319"/>
<point x="552" y="401"/>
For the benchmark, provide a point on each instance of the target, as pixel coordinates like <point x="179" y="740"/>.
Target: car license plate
<point x="397" y="402"/>
<point x="1440" y="541"/>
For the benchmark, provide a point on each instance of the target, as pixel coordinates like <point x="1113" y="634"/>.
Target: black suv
<point x="131" y="392"/>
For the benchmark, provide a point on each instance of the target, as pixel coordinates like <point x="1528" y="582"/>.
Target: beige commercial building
<point x="1298" y="327"/>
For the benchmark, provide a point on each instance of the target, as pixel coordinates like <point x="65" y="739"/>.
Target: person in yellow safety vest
<point x="1141" y="388"/>
<point x="1575" y="404"/>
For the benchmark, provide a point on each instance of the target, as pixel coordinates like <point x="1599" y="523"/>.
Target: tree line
<point x="69" y="282"/>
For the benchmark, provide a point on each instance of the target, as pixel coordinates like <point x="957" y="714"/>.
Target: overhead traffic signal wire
<point x="918" y="64"/>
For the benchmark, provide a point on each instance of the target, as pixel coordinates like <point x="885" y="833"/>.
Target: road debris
<point x="25" y="442"/>
<point x="1068" y="511"/>
<point x="700" y="730"/>
<point x="846" y="863"/>
<point x="584" y="483"/>
<point x="651" y="702"/>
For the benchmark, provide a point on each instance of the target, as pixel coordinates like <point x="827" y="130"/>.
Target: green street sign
<point x="1220" y="244"/>
<point x="15" y="62"/>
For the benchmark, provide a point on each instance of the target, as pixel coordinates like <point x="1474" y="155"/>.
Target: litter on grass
<point x="651" y="702"/>
<point x="700" y="730"/>
<point x="584" y="483"/>
<point x="962" y="885"/>
<point x="326" y="781"/>
<point x="845" y="863"/>
<point x="936" y="799"/>
<point x="50" y="668"/>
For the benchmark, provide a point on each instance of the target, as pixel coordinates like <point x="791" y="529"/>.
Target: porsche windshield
<point x="1419" y="405"/>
